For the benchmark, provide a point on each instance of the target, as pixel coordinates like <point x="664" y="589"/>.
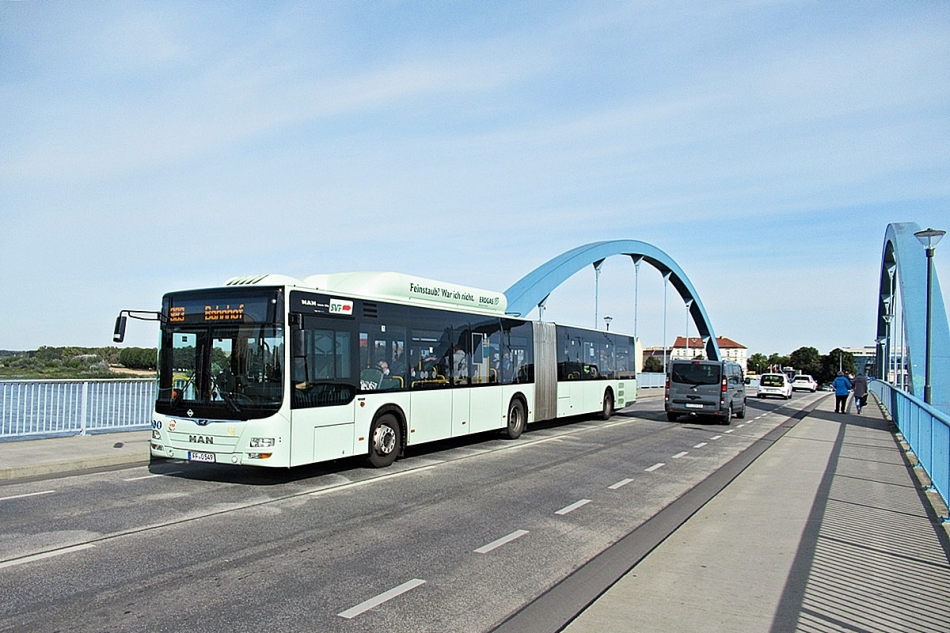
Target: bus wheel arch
<point x="387" y="437"/>
<point x="517" y="417"/>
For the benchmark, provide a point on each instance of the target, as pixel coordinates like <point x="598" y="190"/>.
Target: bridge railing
<point x="651" y="380"/>
<point x="925" y="429"/>
<point x="38" y="408"/>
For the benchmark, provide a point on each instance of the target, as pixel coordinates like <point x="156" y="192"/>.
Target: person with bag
<point x="860" y="391"/>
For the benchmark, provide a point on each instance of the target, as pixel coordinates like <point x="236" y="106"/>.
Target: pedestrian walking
<point x="842" y="388"/>
<point x="860" y="391"/>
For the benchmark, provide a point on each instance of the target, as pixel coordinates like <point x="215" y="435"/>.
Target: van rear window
<point x="771" y="381"/>
<point x="695" y="374"/>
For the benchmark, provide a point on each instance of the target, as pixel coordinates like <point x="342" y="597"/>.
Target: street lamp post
<point x="928" y="239"/>
<point x="887" y="349"/>
<point x="607" y="320"/>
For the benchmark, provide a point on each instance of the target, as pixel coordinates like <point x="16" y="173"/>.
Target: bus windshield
<point x="221" y="357"/>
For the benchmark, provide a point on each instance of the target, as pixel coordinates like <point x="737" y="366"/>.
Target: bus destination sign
<point x="196" y="309"/>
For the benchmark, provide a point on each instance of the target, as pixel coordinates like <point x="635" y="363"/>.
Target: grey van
<point x="705" y="387"/>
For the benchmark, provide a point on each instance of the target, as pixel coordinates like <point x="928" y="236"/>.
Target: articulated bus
<point x="281" y="372"/>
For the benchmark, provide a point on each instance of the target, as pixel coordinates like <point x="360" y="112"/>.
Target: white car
<point x="774" y="385"/>
<point x="805" y="383"/>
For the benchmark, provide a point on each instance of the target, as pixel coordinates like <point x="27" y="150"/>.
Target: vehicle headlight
<point x="262" y="442"/>
<point x="156" y="434"/>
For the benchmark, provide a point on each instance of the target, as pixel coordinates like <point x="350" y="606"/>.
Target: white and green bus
<point x="281" y="372"/>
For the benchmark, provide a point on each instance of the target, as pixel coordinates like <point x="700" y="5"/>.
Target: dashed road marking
<point x="572" y="507"/>
<point x="716" y="437"/>
<point x="619" y="484"/>
<point x="174" y="472"/>
<point x="484" y="549"/>
<point x="655" y="467"/>
<point x="678" y="455"/>
<point x="386" y="596"/>
<point x="701" y="444"/>
<point x="28" y="494"/>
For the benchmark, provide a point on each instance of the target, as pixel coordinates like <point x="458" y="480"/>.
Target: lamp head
<point x="929" y="237"/>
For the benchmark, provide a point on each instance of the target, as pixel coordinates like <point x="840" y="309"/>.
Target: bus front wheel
<point x="608" y="410"/>
<point x="516" y="420"/>
<point x="384" y="441"/>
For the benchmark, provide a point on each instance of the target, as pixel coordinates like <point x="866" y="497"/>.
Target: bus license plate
<point x="200" y="457"/>
<point x="694" y="406"/>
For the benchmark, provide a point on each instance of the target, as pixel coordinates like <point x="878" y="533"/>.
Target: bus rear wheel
<point x="516" y="420"/>
<point x="384" y="441"/>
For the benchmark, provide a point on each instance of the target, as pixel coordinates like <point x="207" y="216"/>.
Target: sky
<point x="764" y="146"/>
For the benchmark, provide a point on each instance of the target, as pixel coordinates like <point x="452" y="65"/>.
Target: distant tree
<point x="807" y="360"/>
<point x="757" y="363"/>
<point x="139" y="357"/>
<point x="653" y="364"/>
<point x="831" y="363"/>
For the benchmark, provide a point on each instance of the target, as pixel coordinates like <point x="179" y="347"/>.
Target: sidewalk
<point x="828" y="530"/>
<point x="34" y="458"/>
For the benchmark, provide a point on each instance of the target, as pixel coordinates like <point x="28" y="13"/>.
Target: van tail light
<point x="666" y="389"/>
<point x="722" y="399"/>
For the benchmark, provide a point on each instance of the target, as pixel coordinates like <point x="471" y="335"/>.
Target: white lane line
<point x="655" y="467"/>
<point x="572" y="507"/>
<point x="484" y="549"/>
<point x="36" y="557"/>
<point x="366" y="482"/>
<point x="731" y="431"/>
<point x="716" y="437"/>
<point x="386" y="596"/>
<point x="556" y="438"/>
<point x="619" y="484"/>
<point x="740" y="426"/>
<point x="28" y="494"/>
<point x="759" y="417"/>
<point x="700" y="445"/>
<point x="174" y="472"/>
<point x="678" y="455"/>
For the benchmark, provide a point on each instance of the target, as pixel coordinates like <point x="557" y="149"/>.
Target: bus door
<point x="486" y="406"/>
<point x="430" y="387"/>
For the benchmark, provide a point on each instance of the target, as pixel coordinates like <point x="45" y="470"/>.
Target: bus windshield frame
<point x="222" y="354"/>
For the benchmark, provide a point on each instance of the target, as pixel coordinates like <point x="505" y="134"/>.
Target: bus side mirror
<point x="119" y="335"/>
<point x="298" y="343"/>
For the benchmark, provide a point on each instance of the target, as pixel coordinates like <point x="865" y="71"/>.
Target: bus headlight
<point x="156" y="434"/>
<point x="262" y="442"/>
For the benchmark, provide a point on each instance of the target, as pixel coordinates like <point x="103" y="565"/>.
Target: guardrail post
<point x="82" y="409"/>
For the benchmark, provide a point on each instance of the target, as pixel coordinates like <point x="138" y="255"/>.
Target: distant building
<point x="865" y="357"/>
<point x="730" y="350"/>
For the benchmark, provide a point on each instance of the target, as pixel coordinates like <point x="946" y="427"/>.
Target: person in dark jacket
<point x="860" y="391"/>
<point x="842" y="388"/>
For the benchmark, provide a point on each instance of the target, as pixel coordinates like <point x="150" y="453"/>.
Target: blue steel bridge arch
<point x="532" y="290"/>
<point x="904" y="256"/>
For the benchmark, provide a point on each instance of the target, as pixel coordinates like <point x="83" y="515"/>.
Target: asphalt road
<point x="456" y="536"/>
